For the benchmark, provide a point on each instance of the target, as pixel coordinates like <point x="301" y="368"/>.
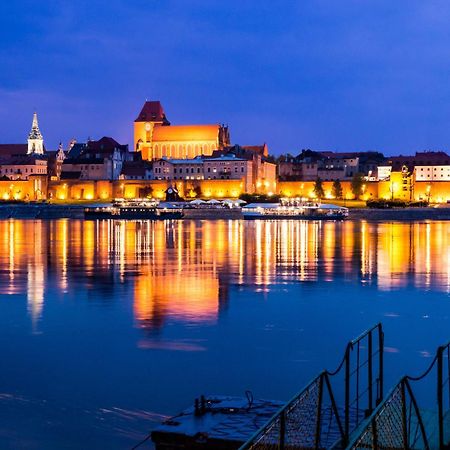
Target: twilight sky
<point x="346" y="75"/>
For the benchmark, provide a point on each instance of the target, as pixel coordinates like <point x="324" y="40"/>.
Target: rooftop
<point x="152" y="111"/>
<point x="186" y="133"/>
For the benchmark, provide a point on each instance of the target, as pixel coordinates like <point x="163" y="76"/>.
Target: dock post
<point x="380" y="363"/>
<point x="440" y="396"/>
<point x="370" y="373"/>
<point x="404" y="418"/>
<point x="319" y="413"/>
<point x="347" y="395"/>
<point x="282" y="430"/>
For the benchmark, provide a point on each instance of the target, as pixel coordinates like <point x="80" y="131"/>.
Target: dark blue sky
<point x="322" y="74"/>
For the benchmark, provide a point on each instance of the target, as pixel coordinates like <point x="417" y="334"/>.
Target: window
<point x="174" y="170"/>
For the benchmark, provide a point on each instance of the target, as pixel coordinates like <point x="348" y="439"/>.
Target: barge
<point x="215" y="422"/>
<point x="133" y="210"/>
<point x="291" y="209"/>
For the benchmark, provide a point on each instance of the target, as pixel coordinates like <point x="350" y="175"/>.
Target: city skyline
<point x="317" y="75"/>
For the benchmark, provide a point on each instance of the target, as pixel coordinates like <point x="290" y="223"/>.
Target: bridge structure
<point x="347" y="409"/>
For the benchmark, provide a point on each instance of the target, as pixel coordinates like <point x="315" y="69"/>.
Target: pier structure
<point x="326" y="413"/>
<point x="415" y="413"/>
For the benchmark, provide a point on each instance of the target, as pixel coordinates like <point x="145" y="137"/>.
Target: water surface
<point x="108" y="327"/>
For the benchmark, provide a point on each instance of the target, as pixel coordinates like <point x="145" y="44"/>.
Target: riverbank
<point x="41" y="211"/>
<point x="400" y="214"/>
<point x="61" y="211"/>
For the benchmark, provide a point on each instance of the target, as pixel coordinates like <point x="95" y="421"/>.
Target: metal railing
<point x="332" y="405"/>
<point x="395" y="424"/>
<point x="399" y="423"/>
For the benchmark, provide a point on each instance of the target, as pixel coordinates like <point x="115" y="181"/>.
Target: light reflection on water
<point x="165" y="310"/>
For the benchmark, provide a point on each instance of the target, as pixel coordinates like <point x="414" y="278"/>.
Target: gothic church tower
<point x="35" y="139"/>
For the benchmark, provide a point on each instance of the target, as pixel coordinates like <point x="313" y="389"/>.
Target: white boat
<point x="292" y="209"/>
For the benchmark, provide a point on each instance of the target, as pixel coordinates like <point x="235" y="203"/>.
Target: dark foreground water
<point x="108" y="327"/>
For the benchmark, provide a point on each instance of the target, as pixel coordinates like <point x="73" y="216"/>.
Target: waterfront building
<point x="95" y="160"/>
<point x="20" y="161"/>
<point x="136" y="170"/>
<point x="55" y="160"/>
<point x="155" y="137"/>
<point x="432" y="173"/>
<point x="248" y="164"/>
<point x="21" y="167"/>
<point x="328" y="166"/>
<point x="429" y="158"/>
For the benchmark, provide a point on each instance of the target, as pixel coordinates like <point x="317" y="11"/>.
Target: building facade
<point x="156" y="138"/>
<point x="95" y="160"/>
<point x="21" y="161"/>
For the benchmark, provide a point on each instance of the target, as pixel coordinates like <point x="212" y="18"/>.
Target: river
<point x="108" y="327"/>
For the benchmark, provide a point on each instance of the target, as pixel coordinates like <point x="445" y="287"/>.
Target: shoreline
<point x="60" y="211"/>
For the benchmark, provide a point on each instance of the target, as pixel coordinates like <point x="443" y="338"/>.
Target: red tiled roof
<point x="420" y="159"/>
<point x="135" y="168"/>
<point x="258" y="149"/>
<point x="152" y="112"/>
<point x="105" y="144"/>
<point x="13" y="149"/>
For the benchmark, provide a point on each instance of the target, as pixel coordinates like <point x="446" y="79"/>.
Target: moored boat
<point x="133" y="210"/>
<point x="292" y="209"/>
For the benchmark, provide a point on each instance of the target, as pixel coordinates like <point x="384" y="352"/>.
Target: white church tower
<point x="35" y="139"/>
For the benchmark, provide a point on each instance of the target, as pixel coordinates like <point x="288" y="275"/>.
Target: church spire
<point x="35" y="139"/>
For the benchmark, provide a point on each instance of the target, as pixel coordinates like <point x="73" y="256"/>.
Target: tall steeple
<point x="35" y="139"/>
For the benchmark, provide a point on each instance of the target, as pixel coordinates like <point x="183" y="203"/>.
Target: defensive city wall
<point x="38" y="188"/>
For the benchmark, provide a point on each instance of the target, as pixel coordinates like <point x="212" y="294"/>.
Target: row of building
<point x="161" y="152"/>
<point x="199" y="160"/>
<point x="373" y="166"/>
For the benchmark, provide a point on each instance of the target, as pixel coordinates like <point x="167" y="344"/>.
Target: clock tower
<point x="151" y="115"/>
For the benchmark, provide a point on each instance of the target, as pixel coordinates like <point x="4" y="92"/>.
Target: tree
<point x="318" y="189"/>
<point x="357" y="184"/>
<point x="337" y="189"/>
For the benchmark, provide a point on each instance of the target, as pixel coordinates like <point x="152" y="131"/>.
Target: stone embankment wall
<point x="401" y="214"/>
<point x="27" y="211"/>
<point x="212" y="214"/>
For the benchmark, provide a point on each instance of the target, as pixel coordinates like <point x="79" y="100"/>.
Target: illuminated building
<point x="136" y="170"/>
<point x="432" y="173"/>
<point x="24" y="161"/>
<point x="95" y="160"/>
<point x="328" y="166"/>
<point x="155" y="137"/>
<point x="35" y="139"/>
